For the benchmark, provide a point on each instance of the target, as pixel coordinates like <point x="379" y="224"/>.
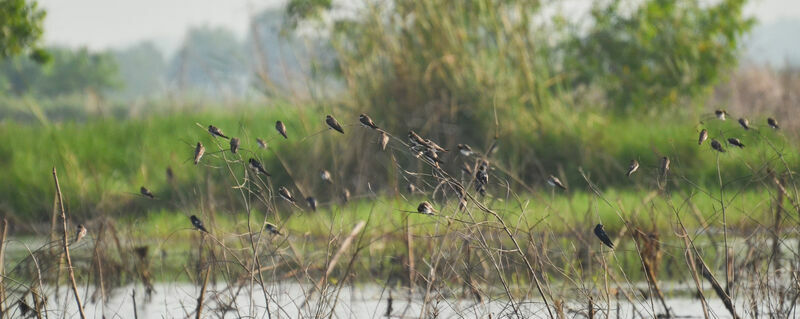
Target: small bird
<point x="198" y="153"/>
<point x="435" y="147"/>
<point x="24" y="308"/>
<point x="80" y="233"/>
<point x="170" y="174"/>
<point x="717" y="146"/>
<point x="744" y="123"/>
<point x="464" y="149"/>
<point x="425" y="208"/>
<point x="415" y="139"/>
<point x="632" y="167"/>
<point x="411" y="188"/>
<point x="312" y="202"/>
<point x="772" y="123"/>
<point x="383" y="140"/>
<point x="720" y="114"/>
<point x="272" y="229"/>
<point x="555" y="182"/>
<point x="736" y="142"/>
<point x="234" y="145"/>
<point x="285" y="194"/>
<point x="146" y="192"/>
<point x="664" y="165"/>
<point x="333" y="124"/>
<point x="261" y="143"/>
<point x="367" y="121"/>
<point x="431" y="155"/>
<point x="281" y="129"/>
<point x="197" y="223"/>
<point x="601" y="233"/>
<point x="346" y="195"/>
<point x="482" y="176"/>
<point x="326" y="176"/>
<point x="256" y="165"/>
<point x="703" y="137"/>
<point x="216" y="131"/>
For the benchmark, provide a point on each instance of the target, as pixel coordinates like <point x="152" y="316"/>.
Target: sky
<point x="106" y="24"/>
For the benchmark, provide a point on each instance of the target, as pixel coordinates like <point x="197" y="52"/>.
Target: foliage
<point x="658" y="55"/>
<point x="20" y="29"/>
<point x="141" y="69"/>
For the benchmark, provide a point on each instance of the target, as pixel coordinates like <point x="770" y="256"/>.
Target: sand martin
<point x="703" y="137"/>
<point x="744" y="123"/>
<point x="601" y="233"/>
<point x="281" y="128"/>
<point x="736" y="142"/>
<point x="197" y="223"/>
<point x="772" y="123"/>
<point x="721" y="114"/>
<point x="425" y="208"/>
<point x="326" y="176"/>
<point x="555" y="182"/>
<point x="272" y="229"/>
<point x="285" y="194"/>
<point x="146" y="192"/>
<point x="261" y="143"/>
<point x="234" y="145"/>
<point x="216" y="131"/>
<point x="80" y="233"/>
<point x="367" y="121"/>
<point x="464" y="149"/>
<point x="346" y="195"/>
<point x="632" y="167"/>
<point x="717" y="146"/>
<point x="332" y="123"/>
<point x="312" y="202"/>
<point x="198" y="153"/>
<point x="664" y="165"/>
<point x="256" y="165"/>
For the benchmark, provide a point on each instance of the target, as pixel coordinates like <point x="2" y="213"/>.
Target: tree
<point x="142" y="69"/>
<point x="20" y="29"/>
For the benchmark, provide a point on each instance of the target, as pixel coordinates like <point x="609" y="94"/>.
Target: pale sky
<point x="103" y="24"/>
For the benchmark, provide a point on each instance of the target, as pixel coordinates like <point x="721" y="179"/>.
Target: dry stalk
<point x="202" y="296"/>
<point x="66" y="246"/>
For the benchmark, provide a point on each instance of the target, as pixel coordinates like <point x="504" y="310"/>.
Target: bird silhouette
<point x="215" y="131"/>
<point x="773" y="123"/>
<point x="80" y="233"/>
<point x="261" y="143"/>
<point x="601" y="233"/>
<point x="721" y="114"/>
<point x="281" y="129"/>
<point x="272" y="229"/>
<point x="703" y="137"/>
<point x="197" y="223"/>
<point x="464" y="149"/>
<point x="146" y="192"/>
<point x="632" y="167"/>
<point x="425" y="208"/>
<point x="717" y="146"/>
<point x="312" y="202"/>
<point x="367" y="121"/>
<point x="286" y="194"/>
<point x="326" y="176"/>
<point x="234" y="145"/>
<point x="555" y="182"/>
<point x="744" y="123"/>
<point x="332" y="123"/>
<point x="198" y="153"/>
<point x="735" y="142"/>
<point x="256" y="165"/>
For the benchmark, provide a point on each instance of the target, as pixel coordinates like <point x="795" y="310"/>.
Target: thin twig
<point x="66" y="246"/>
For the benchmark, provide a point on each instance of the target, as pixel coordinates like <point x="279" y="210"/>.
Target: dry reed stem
<point x="3" y="234"/>
<point x="199" y="309"/>
<point x="66" y="246"/>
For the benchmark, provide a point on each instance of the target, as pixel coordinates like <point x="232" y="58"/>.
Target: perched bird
<point x="464" y="149"/>
<point x="80" y="233"/>
<point x="555" y="182"/>
<point x="425" y="208"/>
<point x="272" y="229"/>
<point x="198" y="153"/>
<point x="216" y="131"/>
<point x="326" y="176"/>
<point x="383" y="140"/>
<point x="24" y="308"/>
<point x="601" y="233"/>
<point x="717" y="146"/>
<point x="261" y="143"/>
<point x="772" y="123"/>
<point x="256" y="165"/>
<point x="346" y="195"/>
<point x="720" y="114"/>
<point x="415" y="140"/>
<point x="234" y="145"/>
<point x="482" y="176"/>
<point x="435" y="147"/>
<point x="367" y="121"/>
<point x="333" y="124"/>
<point x="146" y="192"/>
<point x="197" y="223"/>
<point x="633" y="167"/>
<point x="664" y="165"/>
<point x="170" y="174"/>
<point x="411" y="188"/>
<point x="285" y="194"/>
<point x="431" y="155"/>
<point x="703" y="137"/>
<point x="281" y="128"/>
<point x="736" y="142"/>
<point x="312" y="202"/>
<point x="744" y="123"/>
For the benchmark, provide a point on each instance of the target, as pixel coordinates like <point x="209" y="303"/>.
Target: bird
<point x="736" y="142"/>
<point x="383" y="140"/>
<point x="80" y="233"/>
<point x="312" y="202"/>
<point x="720" y="114"/>
<point x="281" y="129"/>
<point x="464" y="149"/>
<point x="285" y="194"/>
<point x="411" y="188"/>
<point x="256" y="165"/>
<point x="717" y="146"/>
<point x="772" y="123"/>
<point x="261" y="143"/>
<point x="415" y="140"/>
<point x="215" y="131"/>
<point x="433" y="157"/>
<point x="326" y="176"/>
<point x="170" y="174"/>
<point x="367" y="121"/>
<point x="197" y="223"/>
<point x="234" y="145"/>
<point x="272" y="229"/>
<point x="633" y="167"/>
<point x="146" y="192"/>
<point x="198" y="153"/>
<point x="555" y="182"/>
<point x="601" y="233"/>
<point x="664" y="165"/>
<point x="24" y="308"/>
<point x="333" y="124"/>
<point x="703" y="137"/>
<point x="482" y="176"/>
<point x="346" y="195"/>
<point x="435" y="147"/>
<point x="425" y="208"/>
<point x="744" y="123"/>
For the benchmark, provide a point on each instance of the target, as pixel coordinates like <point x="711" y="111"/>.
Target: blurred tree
<point x="20" y="29"/>
<point x="141" y="69"/>
<point x="662" y="52"/>
<point x="211" y="62"/>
